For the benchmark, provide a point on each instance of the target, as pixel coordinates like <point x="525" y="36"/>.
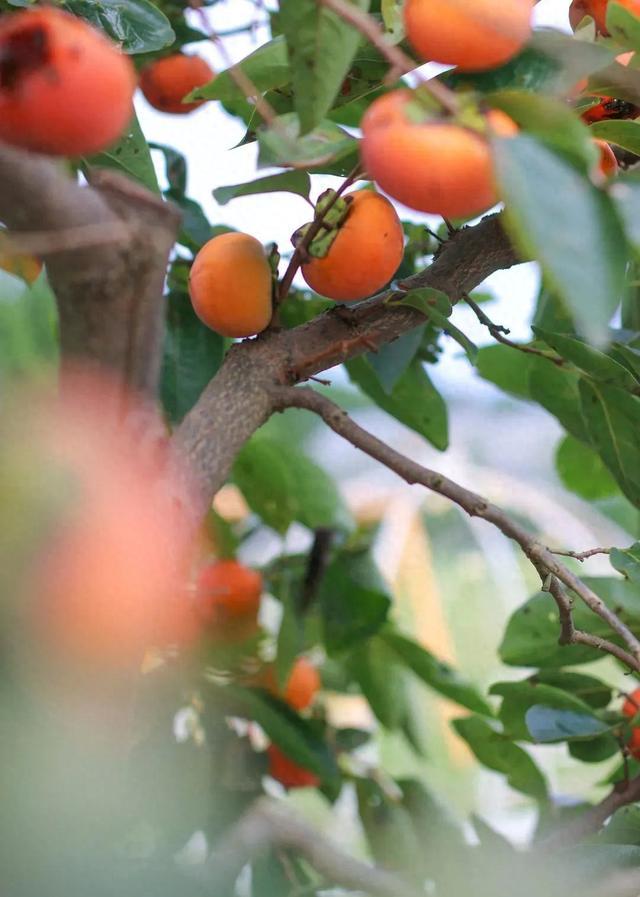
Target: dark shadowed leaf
<point x="518" y="697"/>
<point x="192" y="355"/>
<point x="137" y="25"/>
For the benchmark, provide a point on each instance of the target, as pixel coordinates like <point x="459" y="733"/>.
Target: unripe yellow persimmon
<point x="230" y="285"/>
<point x="365" y="254"/>
<point x="471" y="34"/>
<point x="437" y="166"/>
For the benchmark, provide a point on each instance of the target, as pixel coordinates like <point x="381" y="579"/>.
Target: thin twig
<point x="401" y="63"/>
<point x="475" y="505"/>
<point x="497" y="332"/>
<point x="269" y="824"/>
<point x="241" y="79"/>
<point x="316" y="566"/>
<point x="580" y="555"/>
<point x="300" y="252"/>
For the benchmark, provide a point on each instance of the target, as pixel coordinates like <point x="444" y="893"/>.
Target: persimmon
<point x="597" y="9"/>
<point x="230" y="285"/>
<point x="607" y="163"/>
<point x="288" y="773"/>
<point x="365" y="254"/>
<point x="228" y="600"/>
<point x="471" y="34"/>
<point x="301" y="687"/>
<point x="110" y="562"/>
<point x="25" y="266"/>
<point x="631" y="705"/>
<point x="167" y="81"/>
<point x="65" y="89"/>
<point x="436" y="166"/>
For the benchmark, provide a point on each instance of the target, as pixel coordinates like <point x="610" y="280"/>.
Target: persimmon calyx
<point x="332" y="211"/>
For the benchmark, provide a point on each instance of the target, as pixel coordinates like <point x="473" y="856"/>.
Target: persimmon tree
<point x="144" y="699"/>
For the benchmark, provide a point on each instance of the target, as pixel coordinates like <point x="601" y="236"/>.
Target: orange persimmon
<point x="167" y="81"/>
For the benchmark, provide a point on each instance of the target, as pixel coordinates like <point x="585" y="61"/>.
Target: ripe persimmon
<point x="302" y="685"/>
<point x="167" y="81"/>
<point x="25" y="266"/>
<point x="365" y="254"/>
<point x="631" y="705"/>
<point x="471" y="34"/>
<point x="438" y="166"/>
<point x="230" y="285"/>
<point x="607" y="163"/>
<point x="102" y="584"/>
<point x="288" y="773"/>
<point x="597" y="9"/>
<point x="228" y="600"/>
<point x="65" y="89"/>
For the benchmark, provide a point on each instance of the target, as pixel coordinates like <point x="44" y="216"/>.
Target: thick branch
<point x="270" y="825"/>
<point x="109" y="291"/>
<point x="594" y="818"/>
<point x="238" y="399"/>
<point x="475" y="505"/>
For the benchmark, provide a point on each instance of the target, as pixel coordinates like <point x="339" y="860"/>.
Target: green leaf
<point x="436" y="307"/>
<point x="175" y="168"/>
<point x="592" y="691"/>
<point x="414" y="399"/>
<point x="195" y="229"/>
<point x="131" y="156"/>
<point x="282" y="144"/>
<point x="192" y="355"/>
<point x="625" y="192"/>
<point x="550" y="724"/>
<point x="297" y="182"/>
<point x="623" y="26"/>
<point x="267" y="68"/>
<point x="557" y="216"/>
<point x="390" y="831"/>
<point x="533" y="630"/>
<point x="613" y="422"/>
<point x="281" y="485"/>
<point x="596" y="364"/>
<point x="29" y="344"/>
<point x="497" y="752"/>
<point x="581" y="470"/>
<point x="435" y="673"/>
<point x="354" y="600"/>
<point x="391" y="361"/>
<point x="552" y="63"/>
<point x="138" y="26"/>
<point x="519" y="697"/>
<point x="557" y="390"/>
<point x="321" y="46"/>
<point x="623" y="133"/>
<point x="552" y="121"/>
<point x="507" y="368"/>
<point x="623" y="827"/>
<point x="375" y="668"/>
<point x="296" y="737"/>
<point x="595" y="750"/>
<point x="627" y="561"/>
<point x="593" y="362"/>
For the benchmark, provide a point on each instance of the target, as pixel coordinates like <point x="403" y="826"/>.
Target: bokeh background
<point x="455" y="580"/>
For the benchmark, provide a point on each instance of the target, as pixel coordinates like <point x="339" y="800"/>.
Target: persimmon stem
<point x="401" y="63"/>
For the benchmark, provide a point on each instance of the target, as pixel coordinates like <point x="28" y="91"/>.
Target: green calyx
<point x="331" y="212"/>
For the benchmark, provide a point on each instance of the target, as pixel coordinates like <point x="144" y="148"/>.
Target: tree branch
<point x="475" y="505"/>
<point x="108" y="290"/>
<point x="238" y="400"/>
<point x="270" y="825"/>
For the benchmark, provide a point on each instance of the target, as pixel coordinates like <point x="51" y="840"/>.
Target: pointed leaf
<point x="297" y="182"/>
<point x="551" y="724"/>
